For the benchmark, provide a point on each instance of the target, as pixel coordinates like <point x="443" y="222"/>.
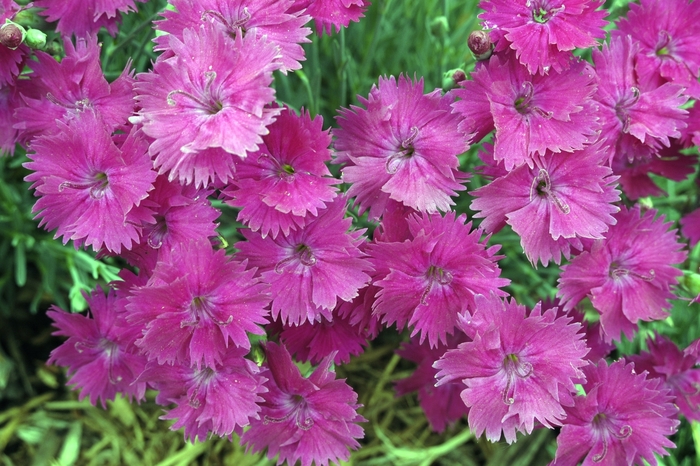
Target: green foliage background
<point x="41" y="421"/>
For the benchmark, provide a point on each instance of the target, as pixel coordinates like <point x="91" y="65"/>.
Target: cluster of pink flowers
<point x="129" y="168"/>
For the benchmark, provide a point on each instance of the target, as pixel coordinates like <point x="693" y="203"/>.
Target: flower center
<point x="207" y="103"/>
<point x="622" y="107"/>
<point x="434" y="275"/>
<point x="515" y="369"/>
<point x="297" y="408"/>
<point x="201" y="308"/>
<point x="663" y="48"/>
<point x="606" y="428"/>
<point x="618" y="270"/>
<point x="284" y="171"/>
<point x="97" y="185"/>
<point x="541" y="12"/>
<point x="404" y="151"/>
<point x="542" y="187"/>
<point x="235" y="27"/>
<point x="300" y="253"/>
<point x="158" y="233"/>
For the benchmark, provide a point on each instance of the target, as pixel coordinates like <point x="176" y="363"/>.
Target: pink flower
<point x="312" y="268"/>
<point x="282" y="185"/>
<point x="99" y="353"/>
<point x="205" y="104"/>
<point x="517" y="369"/>
<point x="85" y="17"/>
<point x="571" y="195"/>
<point x="220" y="399"/>
<point x="311" y="420"/>
<point x="623" y="419"/>
<point x="88" y="188"/>
<point x="628" y="275"/>
<point x="329" y="13"/>
<point x="669" y="48"/>
<point x="261" y="18"/>
<point x="544" y="32"/>
<point x="531" y="114"/>
<point x="428" y="281"/>
<point x="403" y="145"/>
<point x="196" y="304"/>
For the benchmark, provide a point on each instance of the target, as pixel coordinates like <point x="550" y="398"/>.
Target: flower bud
<point x="452" y="78"/>
<point x="12" y="35"/>
<point x="480" y="44"/>
<point x="36" y="39"/>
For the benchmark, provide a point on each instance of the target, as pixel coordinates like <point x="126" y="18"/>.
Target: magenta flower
<point x="668" y="32"/>
<point x="571" y="195"/>
<point x="66" y="89"/>
<point x="205" y="104"/>
<point x="285" y="182"/>
<point x="427" y="282"/>
<point x="403" y="145"/>
<point x="99" y="353"/>
<point x="519" y="368"/>
<point x="85" y="17"/>
<point x="442" y="404"/>
<point x="329" y="13"/>
<point x="196" y="304"/>
<point x="87" y="187"/>
<point x="623" y="419"/>
<point x="311" y="420"/>
<point x="628" y="275"/>
<point x="544" y="32"/>
<point x="637" y="118"/>
<point x="677" y="369"/>
<point x="531" y="114"/>
<point x="312" y="268"/>
<point x="261" y="18"/>
<point x="220" y="399"/>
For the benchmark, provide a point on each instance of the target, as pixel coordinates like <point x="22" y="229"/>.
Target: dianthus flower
<point x="329" y="13"/>
<point x="205" y="105"/>
<point x="623" y="419"/>
<point x="571" y="195"/>
<point x="312" y="268"/>
<point x="85" y="17"/>
<point x="286" y="181"/>
<point x="441" y="404"/>
<point x="637" y="118"/>
<point x="403" y="145"/>
<point x="531" y="114"/>
<point x="311" y="420"/>
<point x="220" y="399"/>
<point x="677" y="369"/>
<point x="66" y="89"/>
<point x="519" y="368"/>
<point x="628" y="275"/>
<point x="99" y="353"/>
<point x="544" y="32"/>
<point x="87" y="187"/>
<point x="668" y="32"/>
<point x="427" y="282"/>
<point x="268" y="18"/>
<point x="196" y="304"/>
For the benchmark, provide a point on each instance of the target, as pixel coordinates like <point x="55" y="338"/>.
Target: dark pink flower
<point x="531" y="114"/>
<point x="668" y="32"/>
<point x="205" y="105"/>
<point x="196" y="305"/>
<point x="84" y="17"/>
<point x="87" y="187"/>
<point x="441" y="404"/>
<point x="623" y="419"/>
<point x="628" y="275"/>
<point x="311" y="420"/>
<point x="403" y="146"/>
<point x="427" y="282"/>
<point x="544" y="32"/>
<point x="99" y="353"/>
<point x="571" y="195"/>
<point x="261" y="18"/>
<point x="220" y="399"/>
<point x="330" y="13"/>
<point x="517" y="369"/>
<point x="66" y="89"/>
<point x="285" y="182"/>
<point x="637" y="119"/>
<point x="312" y="268"/>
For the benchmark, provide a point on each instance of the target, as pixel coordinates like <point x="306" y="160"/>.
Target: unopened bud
<point x="452" y="78"/>
<point x="12" y="35"/>
<point x="36" y="39"/>
<point x="458" y="76"/>
<point x="480" y="44"/>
